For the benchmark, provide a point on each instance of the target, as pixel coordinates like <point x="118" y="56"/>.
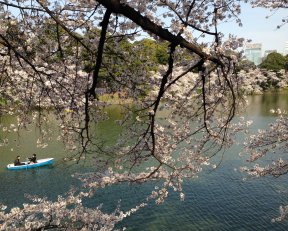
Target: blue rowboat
<point x="40" y="162"/>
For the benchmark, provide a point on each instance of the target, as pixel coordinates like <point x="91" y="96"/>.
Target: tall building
<point x="286" y="48"/>
<point x="253" y="52"/>
<point x="267" y="52"/>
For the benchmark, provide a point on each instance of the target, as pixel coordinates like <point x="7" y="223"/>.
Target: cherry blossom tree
<point x="44" y="49"/>
<point x="257" y="81"/>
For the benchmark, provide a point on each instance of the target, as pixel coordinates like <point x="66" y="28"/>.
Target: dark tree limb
<point x="116" y="7"/>
<point x="160" y="94"/>
<point x="104" y="24"/>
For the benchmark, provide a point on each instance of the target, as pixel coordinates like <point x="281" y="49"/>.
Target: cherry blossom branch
<point x="21" y="7"/>
<point x="58" y="21"/>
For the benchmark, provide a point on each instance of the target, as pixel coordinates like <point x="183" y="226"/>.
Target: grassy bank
<point x="116" y="98"/>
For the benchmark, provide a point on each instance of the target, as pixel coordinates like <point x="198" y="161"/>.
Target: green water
<point x="218" y="200"/>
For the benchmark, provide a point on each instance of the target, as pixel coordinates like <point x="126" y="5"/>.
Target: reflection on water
<point x="219" y="200"/>
<point x="260" y="105"/>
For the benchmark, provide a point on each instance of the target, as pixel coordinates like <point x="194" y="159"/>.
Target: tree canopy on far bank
<point x="274" y="61"/>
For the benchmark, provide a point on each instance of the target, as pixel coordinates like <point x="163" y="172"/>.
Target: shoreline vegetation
<point x="115" y="98"/>
<point x="255" y="82"/>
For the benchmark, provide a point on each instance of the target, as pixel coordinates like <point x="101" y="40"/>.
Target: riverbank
<point x="118" y="98"/>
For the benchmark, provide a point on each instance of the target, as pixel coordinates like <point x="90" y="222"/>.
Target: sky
<point x="259" y="28"/>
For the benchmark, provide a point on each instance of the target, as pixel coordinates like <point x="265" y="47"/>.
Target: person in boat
<point x="33" y="159"/>
<point x="18" y="162"/>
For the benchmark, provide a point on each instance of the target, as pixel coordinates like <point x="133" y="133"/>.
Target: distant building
<point x="267" y="52"/>
<point x="286" y="48"/>
<point x="253" y="52"/>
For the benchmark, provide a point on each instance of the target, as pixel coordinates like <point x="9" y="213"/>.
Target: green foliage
<point x="147" y="55"/>
<point x="275" y="62"/>
<point x="154" y="51"/>
<point x="161" y="53"/>
<point x="245" y="65"/>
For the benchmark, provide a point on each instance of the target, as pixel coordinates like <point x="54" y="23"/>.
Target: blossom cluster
<point x="256" y="81"/>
